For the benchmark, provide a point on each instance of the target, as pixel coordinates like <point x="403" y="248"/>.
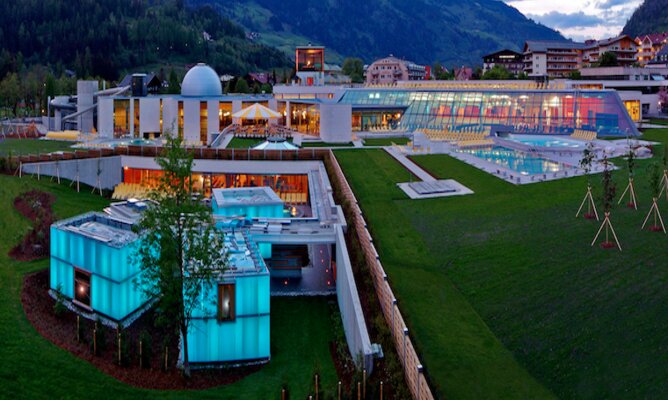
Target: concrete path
<point x="410" y="165"/>
<point x="228" y="138"/>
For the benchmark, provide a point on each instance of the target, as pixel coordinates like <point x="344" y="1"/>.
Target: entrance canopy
<point x="256" y="111"/>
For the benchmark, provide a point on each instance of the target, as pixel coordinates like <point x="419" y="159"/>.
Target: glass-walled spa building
<point x="92" y="265"/>
<point x="514" y="111"/>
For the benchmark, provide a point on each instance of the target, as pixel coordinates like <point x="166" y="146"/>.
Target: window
<point x="82" y="287"/>
<point x="226" y="302"/>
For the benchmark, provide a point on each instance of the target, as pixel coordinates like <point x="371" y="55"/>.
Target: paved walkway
<point x="410" y="165"/>
<point x="228" y="138"/>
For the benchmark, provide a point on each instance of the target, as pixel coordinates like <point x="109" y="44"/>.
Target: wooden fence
<point x="413" y="369"/>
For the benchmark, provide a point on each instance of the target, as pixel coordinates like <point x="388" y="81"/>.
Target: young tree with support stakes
<point x="664" y="178"/>
<point x="654" y="178"/>
<point x="586" y="162"/>
<point x="630" y="188"/>
<point x="180" y="251"/>
<point x="609" y="190"/>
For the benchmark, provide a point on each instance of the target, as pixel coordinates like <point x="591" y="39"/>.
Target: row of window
<point x="442" y="109"/>
<point x="225" y="307"/>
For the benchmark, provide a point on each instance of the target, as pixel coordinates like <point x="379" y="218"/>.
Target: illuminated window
<point x="226" y="302"/>
<point x="121" y="117"/>
<point x="82" y="287"/>
<point x="136" y="118"/>
<point x="203" y="122"/>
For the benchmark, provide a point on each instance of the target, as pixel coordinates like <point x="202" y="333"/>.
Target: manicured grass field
<point x="243" y="143"/>
<point x="502" y="291"/>
<point x="32" y="146"/>
<point x="386" y="141"/>
<point x="33" y="368"/>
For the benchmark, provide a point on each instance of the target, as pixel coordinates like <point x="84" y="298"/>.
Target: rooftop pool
<point x="515" y="160"/>
<point x="558" y="142"/>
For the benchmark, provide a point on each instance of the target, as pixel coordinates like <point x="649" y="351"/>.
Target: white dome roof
<point x="201" y="80"/>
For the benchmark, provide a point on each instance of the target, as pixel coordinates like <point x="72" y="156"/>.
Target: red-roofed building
<point x="649" y="46"/>
<point x="623" y="47"/>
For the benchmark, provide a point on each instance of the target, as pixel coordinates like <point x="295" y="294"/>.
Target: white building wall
<point x="213" y="123"/>
<point x="273" y="104"/>
<point x="149" y="115"/>
<point x="170" y="115"/>
<point x="191" y="121"/>
<point x="336" y="121"/>
<point x="236" y="106"/>
<point x="539" y="64"/>
<point x="105" y="117"/>
<point x="85" y="97"/>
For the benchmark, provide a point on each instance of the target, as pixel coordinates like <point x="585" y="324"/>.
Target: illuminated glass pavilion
<point x="92" y="265"/>
<point x="514" y="111"/>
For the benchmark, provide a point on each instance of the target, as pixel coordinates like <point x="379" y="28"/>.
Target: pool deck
<point x="569" y="158"/>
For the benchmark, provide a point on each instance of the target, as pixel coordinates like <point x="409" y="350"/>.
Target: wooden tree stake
<point x="608" y="229"/>
<point x="654" y="210"/>
<point x="591" y="205"/>
<point x="630" y="188"/>
<point x="664" y="184"/>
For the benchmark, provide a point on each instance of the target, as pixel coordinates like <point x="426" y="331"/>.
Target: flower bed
<point x="36" y="206"/>
<point x="61" y="330"/>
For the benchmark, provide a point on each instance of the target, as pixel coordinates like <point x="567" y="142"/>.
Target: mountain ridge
<point x="650" y="17"/>
<point x="425" y="31"/>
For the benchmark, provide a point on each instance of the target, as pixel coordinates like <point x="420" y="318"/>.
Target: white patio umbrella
<point x="256" y="111"/>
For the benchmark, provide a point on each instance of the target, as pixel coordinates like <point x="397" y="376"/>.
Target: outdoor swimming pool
<point x="558" y="142"/>
<point x="518" y="161"/>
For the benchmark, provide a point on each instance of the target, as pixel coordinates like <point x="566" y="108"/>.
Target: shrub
<point x="99" y="342"/>
<point x="59" y="308"/>
<point x="124" y="349"/>
<point x="147" y="349"/>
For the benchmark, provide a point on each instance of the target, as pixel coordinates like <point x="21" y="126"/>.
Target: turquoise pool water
<point x="515" y="160"/>
<point x="546" y="141"/>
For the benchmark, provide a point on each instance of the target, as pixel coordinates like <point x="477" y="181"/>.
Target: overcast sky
<point x="579" y="19"/>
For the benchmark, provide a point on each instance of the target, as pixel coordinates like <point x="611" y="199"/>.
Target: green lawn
<point x="33" y="368"/>
<point x="658" y="121"/>
<point x="32" y="146"/>
<point x="504" y="295"/>
<point x="243" y="143"/>
<point x="386" y="141"/>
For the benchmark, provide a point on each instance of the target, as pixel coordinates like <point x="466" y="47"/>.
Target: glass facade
<point x="121" y="117"/>
<point x="203" y="122"/>
<point x="291" y="189"/>
<point x="538" y="112"/>
<point x="94" y="273"/>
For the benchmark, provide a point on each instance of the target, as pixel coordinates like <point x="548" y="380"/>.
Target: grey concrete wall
<point x="85" y="93"/>
<point x="105" y="116"/>
<point x="336" y="121"/>
<point x="354" y="326"/>
<point x="86" y="169"/>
